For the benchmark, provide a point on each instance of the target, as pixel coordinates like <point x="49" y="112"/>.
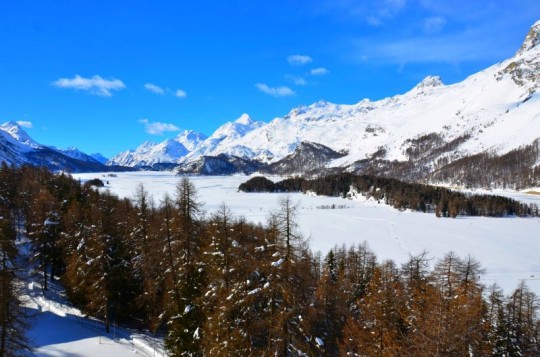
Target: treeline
<point x="430" y="159"/>
<point x="399" y="194"/>
<point x="217" y="285"/>
<point x="516" y="169"/>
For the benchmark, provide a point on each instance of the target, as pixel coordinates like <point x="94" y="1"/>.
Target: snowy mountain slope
<point x="15" y="132"/>
<point x="190" y="139"/>
<point x="168" y="151"/>
<point x="18" y="148"/>
<point x="489" y="106"/>
<point x="494" y="111"/>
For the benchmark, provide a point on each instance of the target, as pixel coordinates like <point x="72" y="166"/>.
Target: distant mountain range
<point x="18" y="148"/>
<point x="483" y="131"/>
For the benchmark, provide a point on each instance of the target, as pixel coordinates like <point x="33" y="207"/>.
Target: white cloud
<point x="298" y="60"/>
<point x="275" y="91"/>
<point x="296" y="80"/>
<point x="157" y="128"/>
<point x="154" y="88"/>
<point x="95" y="85"/>
<point x="180" y="93"/>
<point x="25" y="124"/>
<point x="321" y="71"/>
<point x="434" y="24"/>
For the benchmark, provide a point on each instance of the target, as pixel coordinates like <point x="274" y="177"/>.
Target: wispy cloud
<point x="321" y="71"/>
<point x="154" y="88"/>
<point x="180" y="93"/>
<point x="275" y="91"/>
<point x="467" y="46"/>
<point x="384" y="10"/>
<point x="298" y="60"/>
<point x="296" y="80"/>
<point x="157" y="128"/>
<point x="95" y="85"/>
<point x="372" y="12"/>
<point x="434" y="24"/>
<point x="25" y="124"/>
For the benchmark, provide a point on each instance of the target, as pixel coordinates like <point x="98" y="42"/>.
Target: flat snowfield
<point x="508" y="248"/>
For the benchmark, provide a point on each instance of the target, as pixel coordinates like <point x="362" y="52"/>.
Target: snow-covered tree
<point x="13" y="319"/>
<point x="186" y="327"/>
<point x="146" y="256"/>
<point x="377" y="329"/>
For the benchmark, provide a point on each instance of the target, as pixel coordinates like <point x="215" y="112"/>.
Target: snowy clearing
<point x="506" y="247"/>
<point x="60" y="330"/>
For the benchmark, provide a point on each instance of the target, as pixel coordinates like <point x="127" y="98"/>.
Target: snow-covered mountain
<point x="168" y="151"/>
<point x="224" y="140"/>
<point x="75" y="153"/>
<point x="493" y="113"/>
<point x="498" y="108"/>
<point x="18" y="148"/>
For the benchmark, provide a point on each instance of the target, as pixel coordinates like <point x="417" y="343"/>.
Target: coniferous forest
<point x="399" y="194"/>
<point x="217" y="285"/>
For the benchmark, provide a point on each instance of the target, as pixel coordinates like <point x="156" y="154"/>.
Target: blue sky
<point x="105" y="76"/>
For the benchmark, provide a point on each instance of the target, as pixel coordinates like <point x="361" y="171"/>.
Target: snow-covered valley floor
<point x="508" y="248"/>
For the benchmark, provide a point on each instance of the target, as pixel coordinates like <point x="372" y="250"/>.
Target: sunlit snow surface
<point x="508" y="248"/>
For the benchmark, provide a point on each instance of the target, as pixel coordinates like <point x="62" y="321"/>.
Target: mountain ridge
<point x="490" y="114"/>
<point x="18" y="148"/>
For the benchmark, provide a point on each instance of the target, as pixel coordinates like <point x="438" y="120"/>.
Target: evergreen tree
<point x="522" y="309"/>
<point x="501" y="336"/>
<point x="13" y="318"/>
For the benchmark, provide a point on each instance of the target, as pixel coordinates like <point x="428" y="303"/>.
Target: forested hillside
<point x="217" y="285"/>
<point x="402" y="195"/>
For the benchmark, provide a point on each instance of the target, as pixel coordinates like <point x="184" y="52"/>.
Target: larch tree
<point x="42" y="227"/>
<point x="219" y="257"/>
<point x="328" y="312"/>
<point x="185" y="329"/>
<point x="290" y="280"/>
<point x="377" y="329"/>
<point x="146" y="255"/>
<point x="171" y="259"/>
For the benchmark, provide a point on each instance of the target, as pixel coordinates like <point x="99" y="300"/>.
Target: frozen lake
<point x="508" y="248"/>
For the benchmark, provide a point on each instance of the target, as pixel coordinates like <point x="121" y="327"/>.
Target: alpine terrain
<point x="18" y="148"/>
<point x="481" y="132"/>
<point x="490" y="122"/>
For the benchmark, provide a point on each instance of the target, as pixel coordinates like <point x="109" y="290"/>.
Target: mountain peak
<point x="532" y="39"/>
<point x="430" y="81"/>
<point x="16" y="132"/>
<point x="244" y="119"/>
<point x="190" y="139"/>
